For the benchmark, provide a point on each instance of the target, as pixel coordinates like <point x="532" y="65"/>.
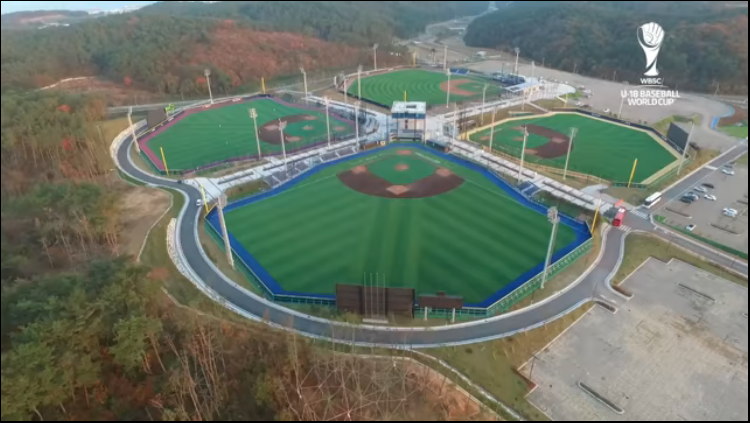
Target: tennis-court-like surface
<point x="202" y="138"/>
<point x="474" y="240"/>
<point x="421" y="85"/>
<point x="600" y="148"/>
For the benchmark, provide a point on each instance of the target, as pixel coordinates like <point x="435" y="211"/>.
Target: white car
<point x="690" y="228"/>
<point x="579" y="104"/>
<point x="199" y="203"/>
<point x="606" y="110"/>
<point x="730" y="213"/>
<point x="701" y="190"/>
<point x="729" y="172"/>
<point x="710" y="197"/>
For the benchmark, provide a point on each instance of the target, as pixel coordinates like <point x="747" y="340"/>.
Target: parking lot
<point x="677" y="351"/>
<point x="711" y="223"/>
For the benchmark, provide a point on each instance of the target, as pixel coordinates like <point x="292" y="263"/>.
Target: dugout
<point x="410" y="120"/>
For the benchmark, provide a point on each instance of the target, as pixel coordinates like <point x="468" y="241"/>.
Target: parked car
<point x="709" y="186"/>
<point x="687" y="200"/>
<point x="729" y="172"/>
<point x="579" y="104"/>
<point x="199" y="203"/>
<point x="690" y="228"/>
<point x="730" y="213"/>
<point x="710" y="197"/>
<point x="692" y="195"/>
<point x="701" y="190"/>
<point x="606" y="110"/>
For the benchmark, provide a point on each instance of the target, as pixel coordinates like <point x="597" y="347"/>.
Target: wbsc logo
<point x="650" y="37"/>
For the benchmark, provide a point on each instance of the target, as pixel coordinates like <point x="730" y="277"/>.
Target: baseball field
<point x="421" y="85"/>
<point x="600" y="148"/>
<point x="420" y="220"/>
<point x="204" y="137"/>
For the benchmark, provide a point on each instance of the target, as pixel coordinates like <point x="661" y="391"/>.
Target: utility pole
<point x="375" y="56"/>
<point x="304" y="79"/>
<point x="573" y="133"/>
<point x="328" y="120"/>
<point x="448" y="101"/>
<point x="282" y="127"/>
<point x="132" y="130"/>
<point x="554" y="218"/>
<point x="622" y="103"/>
<point x="492" y="129"/>
<point x="685" y="150"/>
<point x="523" y="152"/>
<point x="254" y="117"/>
<point x="518" y="53"/>
<point x="227" y="247"/>
<point x="207" y="73"/>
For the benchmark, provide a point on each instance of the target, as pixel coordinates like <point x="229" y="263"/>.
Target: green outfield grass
<point x="471" y="241"/>
<point x="420" y="85"/>
<point x="600" y="149"/>
<point x="215" y="135"/>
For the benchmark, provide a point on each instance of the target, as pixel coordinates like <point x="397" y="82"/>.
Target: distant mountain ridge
<point x="705" y="46"/>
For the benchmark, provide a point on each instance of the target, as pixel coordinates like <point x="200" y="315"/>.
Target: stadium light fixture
<point x="359" y="81"/>
<point x="132" y="130"/>
<point x="685" y="149"/>
<point x="553" y="215"/>
<point x="448" y="101"/>
<point x="207" y="74"/>
<point x="254" y="117"/>
<point x="328" y="119"/>
<point x="356" y="122"/>
<point x="484" y="100"/>
<point x="375" y="56"/>
<point x="221" y="204"/>
<point x="282" y="127"/>
<point x="573" y="133"/>
<point x="304" y="80"/>
<point x="523" y="153"/>
<point x="518" y="54"/>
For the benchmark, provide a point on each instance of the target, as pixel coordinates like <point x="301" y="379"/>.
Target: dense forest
<point x="351" y="22"/>
<point x="164" y="48"/>
<point x="705" y="44"/>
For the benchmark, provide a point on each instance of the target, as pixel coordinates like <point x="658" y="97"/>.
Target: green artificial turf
<point x="420" y="85"/>
<point x="600" y="149"/>
<point x="215" y="135"/>
<point x="735" y="131"/>
<point x="471" y="241"/>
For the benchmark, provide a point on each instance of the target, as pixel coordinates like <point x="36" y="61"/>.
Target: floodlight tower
<point x="573" y="133"/>
<point x="375" y="56"/>
<point x="356" y="122"/>
<point x="523" y="152"/>
<point x="518" y="53"/>
<point x="445" y="58"/>
<point x="207" y="73"/>
<point x="304" y="80"/>
<point x="484" y="99"/>
<point x="282" y="127"/>
<point x="254" y="117"/>
<point x="554" y="218"/>
<point x="132" y="129"/>
<point x="448" y="101"/>
<point x="685" y="150"/>
<point x="222" y="203"/>
<point x="328" y="119"/>
<point x="359" y="81"/>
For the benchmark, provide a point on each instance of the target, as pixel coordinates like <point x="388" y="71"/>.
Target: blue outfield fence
<point x="272" y="287"/>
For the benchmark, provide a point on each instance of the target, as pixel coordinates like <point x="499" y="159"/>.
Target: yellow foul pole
<point x="596" y="216"/>
<point x="205" y="203"/>
<point x="164" y="160"/>
<point x="632" y="174"/>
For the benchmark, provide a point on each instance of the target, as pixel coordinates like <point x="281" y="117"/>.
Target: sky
<point x="20" y="6"/>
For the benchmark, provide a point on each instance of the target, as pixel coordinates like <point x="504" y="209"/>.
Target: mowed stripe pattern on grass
<point x="472" y="241"/>
<point x="420" y="85"/>
<point x="216" y="135"/>
<point x="601" y="149"/>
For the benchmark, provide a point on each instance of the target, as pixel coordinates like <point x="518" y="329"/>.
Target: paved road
<point x="498" y="327"/>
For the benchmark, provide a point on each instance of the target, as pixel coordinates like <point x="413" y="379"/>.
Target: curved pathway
<point x="594" y="284"/>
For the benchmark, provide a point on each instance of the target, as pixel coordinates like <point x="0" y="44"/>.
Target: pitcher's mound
<point x="402" y="167"/>
<point x="340" y="128"/>
<point x="308" y="117"/>
<point x="485" y="138"/>
<point x="404" y="152"/>
<point x="294" y="139"/>
<point x="359" y="170"/>
<point x="308" y="128"/>
<point x="444" y="172"/>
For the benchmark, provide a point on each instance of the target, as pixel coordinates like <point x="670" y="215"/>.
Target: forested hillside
<point x="162" y="53"/>
<point x="705" y="44"/>
<point x="351" y="22"/>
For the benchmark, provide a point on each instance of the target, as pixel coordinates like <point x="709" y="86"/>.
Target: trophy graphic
<point x="650" y="36"/>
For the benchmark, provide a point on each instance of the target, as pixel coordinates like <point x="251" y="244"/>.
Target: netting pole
<point x="227" y="247"/>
